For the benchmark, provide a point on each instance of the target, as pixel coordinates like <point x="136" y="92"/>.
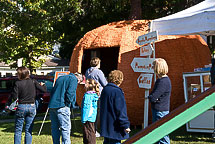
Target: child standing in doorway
<point x="89" y="111"/>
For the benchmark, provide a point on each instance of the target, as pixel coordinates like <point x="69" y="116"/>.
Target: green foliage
<point x="159" y="8"/>
<point x="30" y="28"/>
<point x="27" y="30"/>
<point x="100" y="12"/>
<point x="94" y="13"/>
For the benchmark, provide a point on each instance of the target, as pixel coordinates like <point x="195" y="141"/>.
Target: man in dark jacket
<point x="113" y="112"/>
<point x="63" y="96"/>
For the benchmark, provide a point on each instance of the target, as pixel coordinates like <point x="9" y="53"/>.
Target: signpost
<point x="60" y="73"/>
<point x="145" y="65"/>
<point x="147" y="38"/>
<point x="146" y="50"/>
<point x="142" y="65"/>
<point x="145" y="80"/>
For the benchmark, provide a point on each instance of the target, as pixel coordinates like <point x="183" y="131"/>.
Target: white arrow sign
<point x="147" y="38"/>
<point x="146" y="50"/>
<point x="145" y="81"/>
<point x="142" y="65"/>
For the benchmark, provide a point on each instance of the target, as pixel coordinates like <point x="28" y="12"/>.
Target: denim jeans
<point x="24" y="112"/>
<point x="60" y="125"/>
<point x="111" y="141"/>
<point x="156" y="115"/>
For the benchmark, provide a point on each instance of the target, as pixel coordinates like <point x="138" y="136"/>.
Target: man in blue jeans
<point x="63" y="96"/>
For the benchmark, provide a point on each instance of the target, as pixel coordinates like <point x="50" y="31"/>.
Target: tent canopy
<point x="199" y="19"/>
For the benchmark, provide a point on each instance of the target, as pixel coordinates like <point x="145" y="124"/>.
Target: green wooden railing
<point x="175" y="119"/>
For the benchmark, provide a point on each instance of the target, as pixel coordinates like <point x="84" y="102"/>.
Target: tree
<point x="30" y="28"/>
<point x="136" y="10"/>
<point x="27" y="29"/>
<point x="94" y="14"/>
<point x="100" y="12"/>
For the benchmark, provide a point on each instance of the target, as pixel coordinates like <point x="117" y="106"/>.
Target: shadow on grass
<point x="10" y="125"/>
<point x="76" y="130"/>
<point x="46" y="129"/>
<point x="7" y="127"/>
<point x="181" y="134"/>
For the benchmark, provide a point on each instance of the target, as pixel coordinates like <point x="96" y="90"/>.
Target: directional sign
<point x="147" y="38"/>
<point x="145" y="81"/>
<point x="60" y="73"/>
<point x="146" y="50"/>
<point x="142" y="65"/>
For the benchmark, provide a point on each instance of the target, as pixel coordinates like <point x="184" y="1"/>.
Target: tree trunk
<point x="136" y="10"/>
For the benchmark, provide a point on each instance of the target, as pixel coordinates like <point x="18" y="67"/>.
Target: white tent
<point x="199" y="19"/>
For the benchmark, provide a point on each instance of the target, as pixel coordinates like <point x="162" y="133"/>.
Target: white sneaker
<point x="97" y="134"/>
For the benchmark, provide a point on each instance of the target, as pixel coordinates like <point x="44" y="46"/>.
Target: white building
<point x="51" y="65"/>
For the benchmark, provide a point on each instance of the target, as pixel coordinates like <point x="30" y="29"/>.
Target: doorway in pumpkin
<point x="109" y="59"/>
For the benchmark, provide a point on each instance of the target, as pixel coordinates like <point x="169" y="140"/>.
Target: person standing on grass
<point x="25" y="91"/>
<point x="89" y="111"/>
<point x="160" y="95"/>
<point x="96" y="74"/>
<point x="63" y="96"/>
<point x="113" y="111"/>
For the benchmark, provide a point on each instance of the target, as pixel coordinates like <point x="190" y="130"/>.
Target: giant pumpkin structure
<point x="115" y="44"/>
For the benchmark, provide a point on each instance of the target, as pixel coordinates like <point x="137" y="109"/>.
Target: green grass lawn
<point x="180" y="136"/>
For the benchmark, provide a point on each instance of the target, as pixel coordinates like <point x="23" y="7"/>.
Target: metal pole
<point x="146" y="108"/>
<point x="43" y="121"/>
<point x="154" y="57"/>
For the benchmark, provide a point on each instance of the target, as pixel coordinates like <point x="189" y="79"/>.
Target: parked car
<point x="7" y="83"/>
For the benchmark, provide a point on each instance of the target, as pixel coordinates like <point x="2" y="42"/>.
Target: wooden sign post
<point x="145" y="65"/>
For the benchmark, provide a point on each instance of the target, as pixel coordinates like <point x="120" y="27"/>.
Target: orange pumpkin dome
<point x="115" y="44"/>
